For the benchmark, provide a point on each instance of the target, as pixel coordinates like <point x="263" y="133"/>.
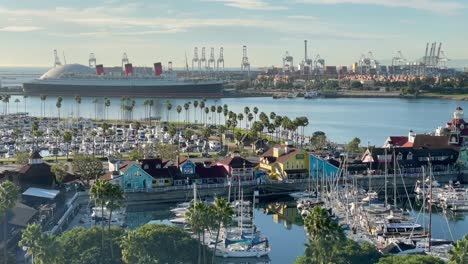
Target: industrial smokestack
<point x="100" y="69"/>
<point x="305" y="50"/>
<point x="128" y="69"/>
<point x="158" y="69"/>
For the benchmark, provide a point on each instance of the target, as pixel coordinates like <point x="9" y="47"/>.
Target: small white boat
<point x="179" y="221"/>
<point x="298" y="195"/>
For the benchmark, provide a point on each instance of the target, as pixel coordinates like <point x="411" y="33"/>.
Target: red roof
<point x="398" y="141"/>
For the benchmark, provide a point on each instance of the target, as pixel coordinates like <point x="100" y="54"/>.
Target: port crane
<point x="288" y="62"/>
<point x="245" y="65"/>
<point x="195" y="59"/>
<point x="92" y="60"/>
<point x="56" y="59"/>
<point x="220" y="59"/>
<point x="211" y="60"/>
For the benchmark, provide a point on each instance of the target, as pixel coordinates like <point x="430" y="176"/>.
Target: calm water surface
<point x="283" y="226"/>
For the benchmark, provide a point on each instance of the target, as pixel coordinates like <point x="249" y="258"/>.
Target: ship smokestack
<point x="100" y="69"/>
<point x="158" y="69"/>
<point x="128" y="69"/>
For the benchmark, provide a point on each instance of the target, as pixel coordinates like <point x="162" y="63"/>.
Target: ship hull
<point x="184" y="90"/>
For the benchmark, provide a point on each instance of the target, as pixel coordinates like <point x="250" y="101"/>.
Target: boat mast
<point x="394" y="180"/>
<point x="385" y="179"/>
<point x="430" y="201"/>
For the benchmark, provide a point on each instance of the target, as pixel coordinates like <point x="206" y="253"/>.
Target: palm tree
<point x="98" y="193"/>
<point x="178" y="109"/>
<point x="202" y="107"/>
<point x="145" y="103"/>
<point x="246" y="110"/>
<point x="250" y="118"/>
<point x="272" y="115"/>
<point x="78" y="103"/>
<point x="59" y="105"/>
<point x="213" y="111"/>
<point x="207" y="110"/>
<point x="222" y="214"/>
<point x="186" y="108"/>
<point x="199" y="219"/>
<point x="150" y="104"/>
<point x="459" y="253"/>
<point x="219" y="110"/>
<point x="255" y="111"/>
<point x="95" y="101"/>
<point x="8" y="197"/>
<point x="17" y="101"/>
<point x="195" y="105"/>
<point x="43" y="98"/>
<point x="6" y="101"/>
<point x="319" y="225"/>
<point x="114" y="200"/>
<point x="168" y="107"/>
<point x="24" y="100"/>
<point x="240" y="117"/>
<point x="38" y="244"/>
<point x="107" y="104"/>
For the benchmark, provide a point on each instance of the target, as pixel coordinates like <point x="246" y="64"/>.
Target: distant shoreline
<point x="338" y="94"/>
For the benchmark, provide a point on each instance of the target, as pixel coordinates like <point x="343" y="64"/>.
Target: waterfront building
<point x="320" y="167"/>
<point x="36" y="173"/>
<point x="284" y="162"/>
<point x="238" y="168"/>
<point x="409" y="159"/>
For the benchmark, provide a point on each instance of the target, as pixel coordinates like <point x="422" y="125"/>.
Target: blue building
<point x="320" y="166"/>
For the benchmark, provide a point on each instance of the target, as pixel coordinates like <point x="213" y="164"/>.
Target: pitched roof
<point x="284" y="157"/>
<point x="39" y="174"/>
<point x="398" y="141"/>
<point x="35" y="155"/>
<point x="21" y="215"/>
<point x="214" y="171"/>
<point x="237" y="162"/>
<point x="433" y="142"/>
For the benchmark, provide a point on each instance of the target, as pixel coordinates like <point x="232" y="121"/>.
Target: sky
<point x="340" y="31"/>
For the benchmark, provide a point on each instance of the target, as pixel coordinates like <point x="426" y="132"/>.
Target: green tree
<point x="60" y="170"/>
<point x="195" y="106"/>
<point x="86" y="167"/>
<point x="43" y="248"/>
<point x="178" y="109"/>
<point x="199" y="219"/>
<point x="172" y="130"/>
<point x="8" y="197"/>
<point x="318" y="140"/>
<point x="159" y="244"/>
<point x="353" y="145"/>
<point x="22" y="157"/>
<point x="222" y="213"/>
<point x="67" y="138"/>
<point x="99" y="194"/>
<point x="82" y="245"/>
<point x="207" y="132"/>
<point x="188" y="134"/>
<point x="168" y="108"/>
<point x="459" y="253"/>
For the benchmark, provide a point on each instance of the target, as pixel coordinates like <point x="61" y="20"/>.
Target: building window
<point x="399" y="156"/>
<point x="409" y="156"/>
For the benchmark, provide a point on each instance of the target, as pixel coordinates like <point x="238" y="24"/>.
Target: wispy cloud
<point x="435" y="6"/>
<point x="250" y="4"/>
<point x="97" y="22"/>
<point x="19" y="29"/>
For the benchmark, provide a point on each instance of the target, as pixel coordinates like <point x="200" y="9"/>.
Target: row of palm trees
<point x="213" y="218"/>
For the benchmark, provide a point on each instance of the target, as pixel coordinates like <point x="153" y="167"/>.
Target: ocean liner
<point x="77" y="79"/>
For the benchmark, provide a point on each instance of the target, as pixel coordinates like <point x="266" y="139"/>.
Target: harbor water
<point x="279" y="221"/>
